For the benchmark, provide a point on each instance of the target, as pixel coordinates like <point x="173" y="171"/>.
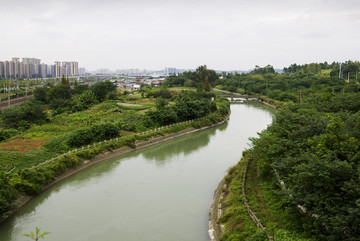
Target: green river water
<point x="161" y="193"/>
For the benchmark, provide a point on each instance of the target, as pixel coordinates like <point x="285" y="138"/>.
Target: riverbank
<point x="216" y="230"/>
<point x="139" y="144"/>
<point x="278" y="105"/>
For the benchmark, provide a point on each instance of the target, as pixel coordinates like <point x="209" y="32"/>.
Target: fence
<point x="251" y="213"/>
<point x="114" y="139"/>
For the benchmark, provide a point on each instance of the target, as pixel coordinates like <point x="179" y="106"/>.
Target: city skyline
<point x="227" y="35"/>
<point x="33" y="68"/>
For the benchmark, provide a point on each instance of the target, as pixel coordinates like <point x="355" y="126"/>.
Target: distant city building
<point x="82" y="71"/>
<point x="57" y="70"/>
<point x="1" y="68"/>
<point x="103" y="71"/>
<point x="74" y="69"/>
<point x="33" y="68"/>
<point x="170" y="71"/>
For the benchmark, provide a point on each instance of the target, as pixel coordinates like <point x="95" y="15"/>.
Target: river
<point x="160" y="193"/>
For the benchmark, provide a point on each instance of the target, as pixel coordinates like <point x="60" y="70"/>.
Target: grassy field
<point x="41" y="142"/>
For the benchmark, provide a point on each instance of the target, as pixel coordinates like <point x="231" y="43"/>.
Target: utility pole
<point x="8" y="93"/>
<point x="348" y="77"/>
<point x="340" y="71"/>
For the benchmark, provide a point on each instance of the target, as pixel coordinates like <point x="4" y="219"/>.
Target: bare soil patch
<point x="22" y="145"/>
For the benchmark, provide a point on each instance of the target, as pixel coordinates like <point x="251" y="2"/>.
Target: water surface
<point x="161" y="193"/>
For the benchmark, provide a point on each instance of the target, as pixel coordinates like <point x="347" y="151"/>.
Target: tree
<point x="40" y="93"/>
<point x="202" y="72"/>
<point x="23" y="115"/>
<point x="59" y="92"/>
<point x="87" y="98"/>
<point x="206" y="84"/>
<point x="64" y="81"/>
<point x="76" y="84"/>
<point x="100" y="89"/>
<point x="268" y="69"/>
<point x="199" y="88"/>
<point x="161" y="103"/>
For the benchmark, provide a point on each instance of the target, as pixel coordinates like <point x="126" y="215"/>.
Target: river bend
<point x="160" y="193"/>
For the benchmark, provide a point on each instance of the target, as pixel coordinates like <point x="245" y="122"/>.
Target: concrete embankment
<point x="215" y="228"/>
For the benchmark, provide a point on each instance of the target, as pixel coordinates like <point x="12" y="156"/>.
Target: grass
<point x="238" y="224"/>
<point x="281" y="220"/>
<point x="28" y="149"/>
<point x="179" y="89"/>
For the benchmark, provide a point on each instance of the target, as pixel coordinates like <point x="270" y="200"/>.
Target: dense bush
<point x="188" y="106"/>
<point x="57" y="145"/>
<point x="101" y="89"/>
<point x="161" y="117"/>
<point x="7" y="194"/>
<point x="315" y="148"/>
<point x="22" y="116"/>
<point x="6" y="134"/>
<point x="191" y="108"/>
<point x="79" y="89"/>
<point x="93" y="133"/>
<point x="224" y="107"/>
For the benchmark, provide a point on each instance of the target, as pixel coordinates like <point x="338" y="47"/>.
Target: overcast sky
<point x="153" y="34"/>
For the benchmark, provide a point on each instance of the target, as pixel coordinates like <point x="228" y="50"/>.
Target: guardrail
<point x="114" y="139"/>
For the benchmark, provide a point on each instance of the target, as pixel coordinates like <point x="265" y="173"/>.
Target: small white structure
<point x="136" y="86"/>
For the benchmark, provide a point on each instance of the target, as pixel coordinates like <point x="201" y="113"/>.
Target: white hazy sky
<point x="153" y="34"/>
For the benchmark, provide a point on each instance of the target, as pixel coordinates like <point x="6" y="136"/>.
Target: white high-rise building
<point x="57" y="69"/>
<point x="74" y="68"/>
<point x="169" y="71"/>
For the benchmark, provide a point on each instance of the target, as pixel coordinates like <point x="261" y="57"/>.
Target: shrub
<point x="7" y="194"/>
<point x="93" y="133"/>
<point x="23" y="115"/>
<point x="57" y="145"/>
<point x="6" y="134"/>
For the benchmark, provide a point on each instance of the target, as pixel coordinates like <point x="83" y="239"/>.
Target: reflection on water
<point x="184" y="145"/>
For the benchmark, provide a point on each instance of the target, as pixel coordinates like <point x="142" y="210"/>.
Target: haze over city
<point x="155" y="34"/>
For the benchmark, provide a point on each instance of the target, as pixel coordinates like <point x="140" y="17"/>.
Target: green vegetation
<point x="15" y="88"/>
<point x="299" y="82"/>
<point x="202" y="76"/>
<point x="281" y="219"/>
<point x="37" y="234"/>
<point x="313" y="147"/>
<point x="68" y="126"/>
